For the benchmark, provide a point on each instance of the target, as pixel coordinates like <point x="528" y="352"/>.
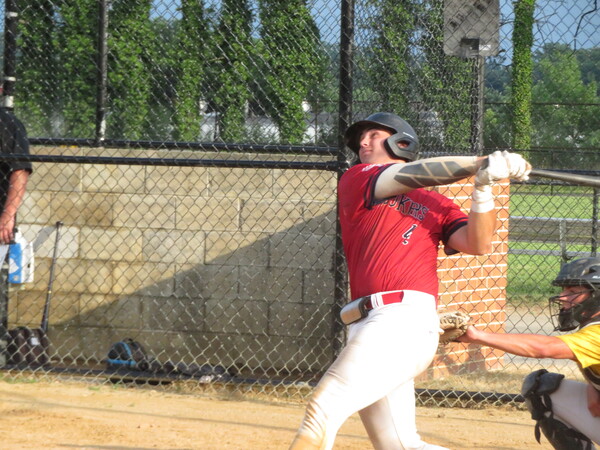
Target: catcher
<point x="566" y="411"/>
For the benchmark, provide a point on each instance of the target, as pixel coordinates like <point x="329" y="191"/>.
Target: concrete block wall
<point x="220" y="265"/>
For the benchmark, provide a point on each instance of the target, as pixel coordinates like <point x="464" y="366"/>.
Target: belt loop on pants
<point x="359" y="308"/>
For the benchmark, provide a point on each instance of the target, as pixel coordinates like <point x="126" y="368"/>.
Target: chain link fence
<point x="191" y="151"/>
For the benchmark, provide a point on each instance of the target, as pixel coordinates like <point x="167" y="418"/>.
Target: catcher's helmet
<point x="400" y="129"/>
<point x="580" y="272"/>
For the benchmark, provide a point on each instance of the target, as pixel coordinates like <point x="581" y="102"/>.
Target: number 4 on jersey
<point x="406" y="236"/>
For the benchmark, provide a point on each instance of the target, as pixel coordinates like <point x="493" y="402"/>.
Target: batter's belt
<point x="359" y="309"/>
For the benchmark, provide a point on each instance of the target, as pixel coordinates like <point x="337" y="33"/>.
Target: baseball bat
<point x="575" y="178"/>
<point x="44" y="325"/>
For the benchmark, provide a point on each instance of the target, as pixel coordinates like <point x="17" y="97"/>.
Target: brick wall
<point x="475" y="285"/>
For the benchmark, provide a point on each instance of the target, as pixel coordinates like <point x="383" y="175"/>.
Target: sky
<point x="556" y="20"/>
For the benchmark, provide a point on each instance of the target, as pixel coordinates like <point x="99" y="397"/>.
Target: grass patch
<point x="17" y="379"/>
<point x="530" y="277"/>
<point x="552" y="201"/>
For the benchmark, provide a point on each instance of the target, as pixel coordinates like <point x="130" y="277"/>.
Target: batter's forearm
<point x="401" y="178"/>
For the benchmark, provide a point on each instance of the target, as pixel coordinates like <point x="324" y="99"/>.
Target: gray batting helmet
<point x="580" y="272"/>
<point x="400" y="129"/>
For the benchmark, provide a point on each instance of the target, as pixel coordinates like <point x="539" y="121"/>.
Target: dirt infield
<point x="58" y="415"/>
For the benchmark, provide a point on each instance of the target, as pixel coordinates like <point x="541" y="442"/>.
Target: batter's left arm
<point x="404" y="177"/>
<point x="476" y="237"/>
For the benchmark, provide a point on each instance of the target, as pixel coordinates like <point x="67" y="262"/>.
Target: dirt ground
<point x="59" y="415"/>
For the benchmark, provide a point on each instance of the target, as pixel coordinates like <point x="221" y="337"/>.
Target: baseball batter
<point x="566" y="411"/>
<point x="391" y="230"/>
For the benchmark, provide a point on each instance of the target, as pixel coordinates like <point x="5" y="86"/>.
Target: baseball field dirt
<point x="68" y="415"/>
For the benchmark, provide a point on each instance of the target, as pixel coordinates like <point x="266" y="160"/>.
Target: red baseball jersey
<point x="392" y="244"/>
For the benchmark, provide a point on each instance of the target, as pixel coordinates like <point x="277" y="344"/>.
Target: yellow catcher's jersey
<point x="585" y="344"/>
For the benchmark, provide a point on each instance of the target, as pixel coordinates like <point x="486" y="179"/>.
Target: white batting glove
<point x="518" y="168"/>
<point x="497" y="168"/>
<point x="502" y="165"/>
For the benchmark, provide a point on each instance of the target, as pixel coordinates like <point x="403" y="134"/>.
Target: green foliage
<point x="128" y="74"/>
<point x="446" y="84"/>
<point x="231" y="68"/>
<point x="522" y="73"/>
<point x="589" y="62"/>
<point x="77" y="75"/>
<point x="192" y="49"/>
<point x="162" y="69"/>
<point x="551" y="201"/>
<point x="290" y="41"/>
<point x="439" y="84"/>
<point x="37" y="93"/>
<point x="163" y="79"/>
<point x="559" y="82"/>
<point x="389" y="69"/>
<point x="530" y="276"/>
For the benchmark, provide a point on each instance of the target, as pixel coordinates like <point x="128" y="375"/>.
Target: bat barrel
<point x="574" y="178"/>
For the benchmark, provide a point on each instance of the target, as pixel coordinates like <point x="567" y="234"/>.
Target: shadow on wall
<point x="254" y="300"/>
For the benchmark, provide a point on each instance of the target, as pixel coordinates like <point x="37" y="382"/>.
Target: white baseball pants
<point x="569" y="404"/>
<point x="373" y="375"/>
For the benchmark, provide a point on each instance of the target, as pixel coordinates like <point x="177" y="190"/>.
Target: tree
<point x="569" y="108"/>
<point x="522" y="74"/>
<point x="411" y="75"/>
<point x="290" y="40"/>
<point x="128" y="62"/>
<point x="163" y="78"/>
<point x="232" y="68"/>
<point x="589" y="61"/>
<point x="76" y="75"/>
<point x="37" y="92"/>
<point x="192" y="48"/>
<point x="446" y="83"/>
<point x="390" y="67"/>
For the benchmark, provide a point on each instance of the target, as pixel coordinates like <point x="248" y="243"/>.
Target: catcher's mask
<point x="580" y="272"/>
<point x="401" y="131"/>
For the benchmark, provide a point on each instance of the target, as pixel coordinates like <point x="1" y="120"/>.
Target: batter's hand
<point x="502" y="165"/>
<point x="518" y="168"/>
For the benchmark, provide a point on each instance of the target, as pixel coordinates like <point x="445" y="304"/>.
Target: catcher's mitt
<point x="453" y="325"/>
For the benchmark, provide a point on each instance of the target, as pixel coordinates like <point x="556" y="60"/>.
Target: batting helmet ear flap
<point x="402" y="145"/>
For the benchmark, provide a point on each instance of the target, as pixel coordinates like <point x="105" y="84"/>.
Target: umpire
<point x="566" y="411"/>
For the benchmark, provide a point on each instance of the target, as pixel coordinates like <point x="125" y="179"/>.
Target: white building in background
<point x="263" y="129"/>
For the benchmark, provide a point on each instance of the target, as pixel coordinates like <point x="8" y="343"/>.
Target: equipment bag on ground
<point x="128" y="354"/>
<point x="28" y="346"/>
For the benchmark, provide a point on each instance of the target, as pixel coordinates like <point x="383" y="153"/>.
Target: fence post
<point x="102" y="72"/>
<point x="344" y="119"/>
<point x="594" y="223"/>
<point x="11" y="16"/>
<point x="562" y="239"/>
